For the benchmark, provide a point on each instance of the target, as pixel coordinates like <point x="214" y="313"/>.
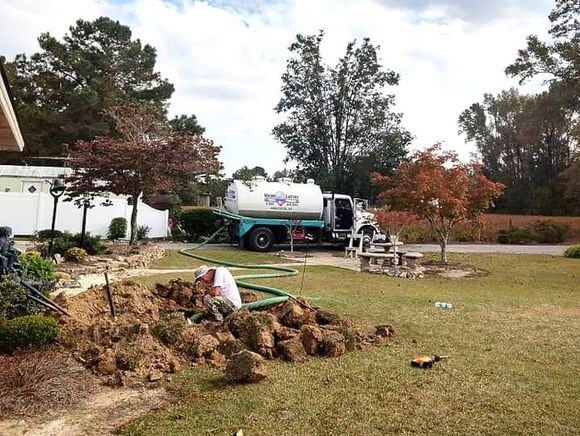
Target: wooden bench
<point x="411" y="258"/>
<point x="368" y="259"/>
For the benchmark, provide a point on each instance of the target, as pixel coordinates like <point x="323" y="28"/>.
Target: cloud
<point x="226" y="57"/>
<point x="473" y="11"/>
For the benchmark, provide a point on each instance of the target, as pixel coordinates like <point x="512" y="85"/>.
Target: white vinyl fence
<point x="27" y="213"/>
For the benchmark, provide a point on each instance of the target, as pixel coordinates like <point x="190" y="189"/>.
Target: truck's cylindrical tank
<point x="282" y="199"/>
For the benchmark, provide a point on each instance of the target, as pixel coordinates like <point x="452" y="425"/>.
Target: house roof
<point x="33" y="171"/>
<point x="10" y="136"/>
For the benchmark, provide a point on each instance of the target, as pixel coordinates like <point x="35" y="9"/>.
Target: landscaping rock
<point x="324" y="317"/>
<point x="256" y="330"/>
<point x="204" y="345"/>
<point x="385" y="330"/>
<point x="154" y="375"/>
<point x="292" y="350"/>
<point x="312" y="337"/>
<point x="292" y="315"/>
<point x="333" y="344"/>
<point x="287" y="333"/>
<point x="216" y="360"/>
<point x="228" y="344"/>
<point x="245" y="367"/>
<point x="107" y="363"/>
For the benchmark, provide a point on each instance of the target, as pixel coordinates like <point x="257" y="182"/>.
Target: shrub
<point x="75" y="254"/>
<point x="573" y="252"/>
<point x="177" y="234"/>
<point x="199" y="222"/>
<point x="549" y="231"/>
<point x="91" y="244"/>
<point x="543" y="231"/>
<point x="515" y="235"/>
<point x="34" y="266"/>
<point x="27" y="331"/>
<point x="117" y="228"/>
<point x="14" y="301"/>
<point x="143" y="232"/>
<point x="44" y="235"/>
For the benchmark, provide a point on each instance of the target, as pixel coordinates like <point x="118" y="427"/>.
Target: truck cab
<point x="345" y="217"/>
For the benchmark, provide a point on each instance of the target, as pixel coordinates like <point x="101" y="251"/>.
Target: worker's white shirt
<point x="224" y="279"/>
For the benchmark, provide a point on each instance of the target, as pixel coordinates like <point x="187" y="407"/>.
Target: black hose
<point x="110" y="296"/>
<point x="36" y="295"/>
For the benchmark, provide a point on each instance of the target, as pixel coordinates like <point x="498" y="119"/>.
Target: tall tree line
<point x="62" y="92"/>
<point x="531" y="142"/>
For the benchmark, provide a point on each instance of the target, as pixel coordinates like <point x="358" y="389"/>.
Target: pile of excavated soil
<point x="151" y="336"/>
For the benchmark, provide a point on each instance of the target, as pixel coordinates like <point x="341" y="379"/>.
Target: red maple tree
<point x="145" y="158"/>
<point x="434" y="185"/>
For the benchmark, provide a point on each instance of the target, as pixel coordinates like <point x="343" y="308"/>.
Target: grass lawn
<point x="514" y="337"/>
<point x="175" y="260"/>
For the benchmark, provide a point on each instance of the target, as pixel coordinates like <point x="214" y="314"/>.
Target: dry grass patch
<point x="43" y="382"/>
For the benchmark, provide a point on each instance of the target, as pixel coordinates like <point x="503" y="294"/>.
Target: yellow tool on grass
<point x="427" y="361"/>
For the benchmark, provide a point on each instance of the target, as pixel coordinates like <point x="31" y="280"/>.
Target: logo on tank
<point x="280" y="198"/>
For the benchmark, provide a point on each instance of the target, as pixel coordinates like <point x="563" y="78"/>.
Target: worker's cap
<point x="201" y="271"/>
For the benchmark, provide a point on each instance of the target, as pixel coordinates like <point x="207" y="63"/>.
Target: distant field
<point x="494" y="222"/>
<point x="414" y="230"/>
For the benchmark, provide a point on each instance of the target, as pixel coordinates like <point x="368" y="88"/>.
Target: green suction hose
<point x="279" y="295"/>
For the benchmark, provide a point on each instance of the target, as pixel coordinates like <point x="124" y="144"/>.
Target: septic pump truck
<point x="260" y="214"/>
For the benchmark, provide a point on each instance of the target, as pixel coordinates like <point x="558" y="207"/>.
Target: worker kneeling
<point x="224" y="296"/>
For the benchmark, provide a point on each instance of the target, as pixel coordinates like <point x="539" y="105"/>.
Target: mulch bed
<point x="40" y="382"/>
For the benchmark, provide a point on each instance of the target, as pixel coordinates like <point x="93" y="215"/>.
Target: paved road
<point x="554" y="250"/>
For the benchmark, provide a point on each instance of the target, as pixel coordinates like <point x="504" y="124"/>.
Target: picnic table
<point x="386" y="246"/>
<point x="409" y="259"/>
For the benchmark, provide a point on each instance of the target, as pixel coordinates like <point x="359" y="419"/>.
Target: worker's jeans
<point x="219" y="307"/>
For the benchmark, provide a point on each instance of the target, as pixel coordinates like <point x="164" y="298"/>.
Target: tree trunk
<point x="133" y="238"/>
<point x="443" y="244"/>
<point x="84" y="225"/>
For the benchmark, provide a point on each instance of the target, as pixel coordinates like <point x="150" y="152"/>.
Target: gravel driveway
<point x="554" y="250"/>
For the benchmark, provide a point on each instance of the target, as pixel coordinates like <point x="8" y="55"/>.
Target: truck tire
<point x="262" y="239"/>
<point x="368" y="236"/>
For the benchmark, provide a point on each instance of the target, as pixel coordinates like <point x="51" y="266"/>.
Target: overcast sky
<point x="226" y="57"/>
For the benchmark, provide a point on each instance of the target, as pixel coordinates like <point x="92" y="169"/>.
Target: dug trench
<point x="151" y="337"/>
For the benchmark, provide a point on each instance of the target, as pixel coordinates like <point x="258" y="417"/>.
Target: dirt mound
<point x="137" y="342"/>
<point x="151" y="335"/>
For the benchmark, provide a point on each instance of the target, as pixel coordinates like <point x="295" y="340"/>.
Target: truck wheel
<point x="367" y="236"/>
<point x="262" y="239"/>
